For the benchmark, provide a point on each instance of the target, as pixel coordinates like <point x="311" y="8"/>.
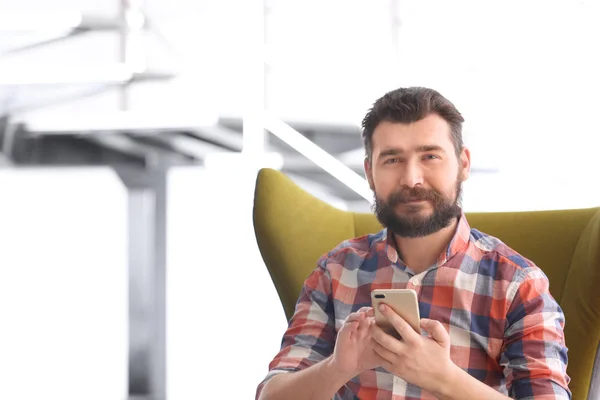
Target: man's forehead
<point x="432" y="130"/>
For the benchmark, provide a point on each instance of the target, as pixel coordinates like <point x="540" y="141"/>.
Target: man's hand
<point x="421" y="360"/>
<point x="353" y="352"/>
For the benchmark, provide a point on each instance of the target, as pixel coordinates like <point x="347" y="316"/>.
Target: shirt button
<point x="415" y="281"/>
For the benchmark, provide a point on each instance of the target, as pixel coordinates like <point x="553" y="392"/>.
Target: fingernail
<point x="381" y="307"/>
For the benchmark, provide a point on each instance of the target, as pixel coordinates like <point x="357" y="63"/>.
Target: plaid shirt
<point x="506" y="329"/>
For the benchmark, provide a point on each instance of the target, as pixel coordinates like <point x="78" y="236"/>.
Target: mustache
<point x="406" y="194"/>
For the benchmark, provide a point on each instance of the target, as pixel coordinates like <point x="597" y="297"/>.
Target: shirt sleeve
<point x="310" y="336"/>
<point x="534" y="356"/>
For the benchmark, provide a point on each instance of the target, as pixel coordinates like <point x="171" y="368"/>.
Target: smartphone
<point x="403" y="301"/>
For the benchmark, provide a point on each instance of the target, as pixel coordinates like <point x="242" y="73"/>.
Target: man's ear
<point x="465" y="164"/>
<point x="369" y="173"/>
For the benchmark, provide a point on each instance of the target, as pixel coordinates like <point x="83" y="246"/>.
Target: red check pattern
<point x="506" y="328"/>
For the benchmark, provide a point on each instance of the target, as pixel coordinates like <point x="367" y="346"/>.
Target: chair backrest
<point x="294" y="228"/>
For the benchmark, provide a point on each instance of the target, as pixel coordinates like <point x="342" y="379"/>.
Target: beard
<point x="411" y="224"/>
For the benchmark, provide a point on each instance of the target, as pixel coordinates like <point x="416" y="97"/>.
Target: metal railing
<point x="320" y="157"/>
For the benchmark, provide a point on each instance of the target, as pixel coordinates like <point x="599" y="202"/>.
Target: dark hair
<point x="408" y="105"/>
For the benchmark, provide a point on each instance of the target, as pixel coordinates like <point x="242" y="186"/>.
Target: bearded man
<point x="490" y="327"/>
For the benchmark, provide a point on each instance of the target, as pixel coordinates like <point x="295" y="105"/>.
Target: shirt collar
<point x="458" y="244"/>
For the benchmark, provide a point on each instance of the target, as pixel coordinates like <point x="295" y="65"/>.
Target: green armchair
<point x="294" y="228"/>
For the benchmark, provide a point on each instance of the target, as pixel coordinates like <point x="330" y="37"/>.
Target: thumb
<point x="436" y="331"/>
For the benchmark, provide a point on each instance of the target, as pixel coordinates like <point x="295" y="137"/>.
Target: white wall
<point x="225" y="320"/>
<point x="63" y="286"/>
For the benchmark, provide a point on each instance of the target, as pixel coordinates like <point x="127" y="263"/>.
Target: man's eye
<point x="391" y="161"/>
<point x="430" y="157"/>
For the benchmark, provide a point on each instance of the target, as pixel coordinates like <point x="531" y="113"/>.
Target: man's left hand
<point x="421" y="360"/>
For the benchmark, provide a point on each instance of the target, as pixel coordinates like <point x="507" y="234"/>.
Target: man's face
<point x="415" y="176"/>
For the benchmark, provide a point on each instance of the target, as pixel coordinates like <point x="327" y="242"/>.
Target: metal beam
<point x="60" y="27"/>
<point x="14" y="74"/>
<point x="220" y="134"/>
<point x="301" y="163"/>
<point x="132" y="46"/>
<point x="147" y="190"/>
<point x="41" y="43"/>
<point x="30" y="21"/>
<point x="143" y="147"/>
<point x="318" y="156"/>
<point x="196" y="147"/>
<point x="126" y="121"/>
<point x="304" y="126"/>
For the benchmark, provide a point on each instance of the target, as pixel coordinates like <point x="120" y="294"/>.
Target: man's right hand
<point x="353" y="352"/>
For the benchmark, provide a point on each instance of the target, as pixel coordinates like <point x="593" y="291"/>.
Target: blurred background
<point x="130" y="136"/>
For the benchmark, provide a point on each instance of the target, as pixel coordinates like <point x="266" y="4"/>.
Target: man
<point x="490" y="327"/>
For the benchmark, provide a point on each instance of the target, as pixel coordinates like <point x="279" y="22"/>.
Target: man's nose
<point x="412" y="175"/>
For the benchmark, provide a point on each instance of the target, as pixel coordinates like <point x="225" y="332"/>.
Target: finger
<point x="367" y="310"/>
<point x="363" y="327"/>
<point x="363" y="312"/>
<point x="355" y="316"/>
<point x="384" y="353"/>
<point x="404" y="329"/>
<point x="344" y="333"/>
<point x="349" y="325"/>
<point x="436" y="330"/>
<point x="389" y="342"/>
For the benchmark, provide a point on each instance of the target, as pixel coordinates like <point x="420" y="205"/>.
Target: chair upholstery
<point x="294" y="228"/>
